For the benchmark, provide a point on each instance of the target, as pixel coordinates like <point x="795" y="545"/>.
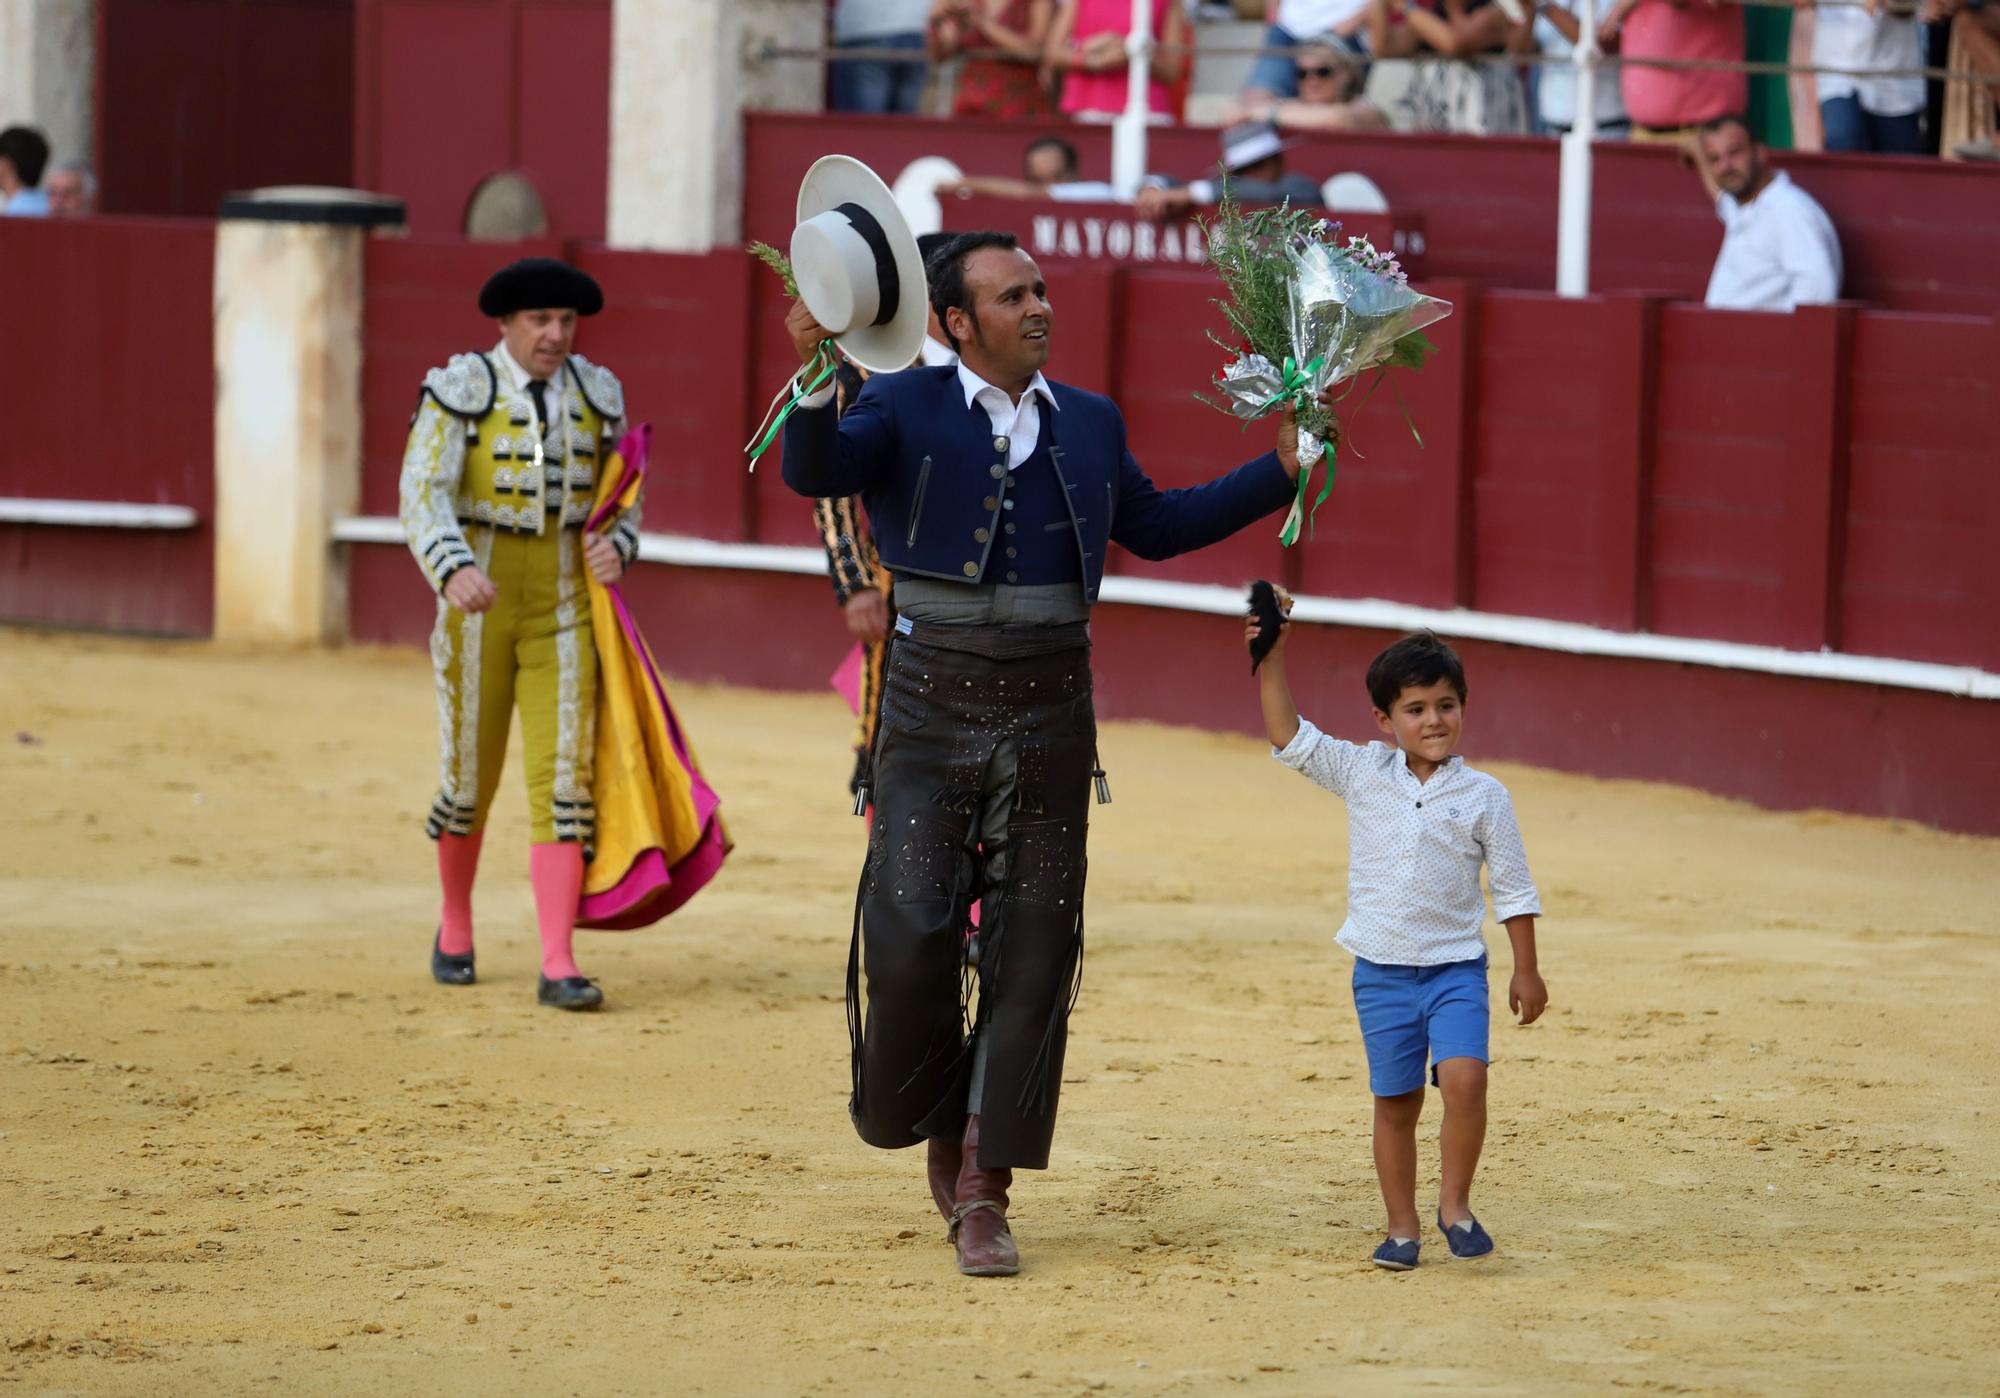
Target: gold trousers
<point x="532" y="649"/>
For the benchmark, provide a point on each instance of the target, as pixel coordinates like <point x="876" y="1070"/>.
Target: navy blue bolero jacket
<point x="934" y="479"/>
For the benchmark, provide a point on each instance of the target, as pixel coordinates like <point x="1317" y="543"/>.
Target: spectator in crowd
<point x="1779" y="249"/>
<point x="1480" y="98"/>
<point x="1969" y="115"/>
<point x="1668" y="104"/>
<point x="1328" y="77"/>
<point x="1291" y="24"/>
<point x="1556" y="33"/>
<point x="24" y="153"/>
<point x="1086" y="49"/>
<point x="1048" y="171"/>
<point x="1011" y="84"/>
<point x="1882" y="114"/>
<point x="1253" y="160"/>
<point x="72" y="190"/>
<point x="879" y="85"/>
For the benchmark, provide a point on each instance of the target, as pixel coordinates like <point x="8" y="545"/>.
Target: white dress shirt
<point x="1018" y="422"/>
<point x="1414" y="850"/>
<point x="1555" y="84"/>
<point x="1779" y="251"/>
<point x="520" y="379"/>
<point x="1849" y="37"/>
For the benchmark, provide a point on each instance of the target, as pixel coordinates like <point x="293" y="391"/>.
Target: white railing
<point x="1572" y="638"/>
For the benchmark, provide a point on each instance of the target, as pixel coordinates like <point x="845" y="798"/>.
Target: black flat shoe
<point x="569" y="993"/>
<point x="450" y="970"/>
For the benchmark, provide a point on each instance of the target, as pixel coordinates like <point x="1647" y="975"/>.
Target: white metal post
<point x="1573" y="188"/>
<point x="1128" y="132"/>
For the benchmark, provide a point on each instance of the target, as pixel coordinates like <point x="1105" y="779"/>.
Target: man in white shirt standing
<point x="1779" y="250"/>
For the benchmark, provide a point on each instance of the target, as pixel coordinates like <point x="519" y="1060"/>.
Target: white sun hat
<point x="857" y="265"/>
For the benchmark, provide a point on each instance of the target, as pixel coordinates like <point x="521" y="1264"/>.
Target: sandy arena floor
<point x="247" y="1146"/>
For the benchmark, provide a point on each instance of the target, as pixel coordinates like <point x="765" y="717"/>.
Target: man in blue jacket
<point x="994" y="495"/>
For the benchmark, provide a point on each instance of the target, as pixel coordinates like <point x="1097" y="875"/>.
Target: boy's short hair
<point x="1417" y="661"/>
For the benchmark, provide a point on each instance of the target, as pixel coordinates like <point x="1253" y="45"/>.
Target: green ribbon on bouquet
<point x="1297" y="385"/>
<point x="1298" y="388"/>
<point x="808" y="381"/>
<point x="1289" y="535"/>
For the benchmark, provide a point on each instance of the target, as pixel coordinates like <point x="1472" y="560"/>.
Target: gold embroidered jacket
<point x="475" y="458"/>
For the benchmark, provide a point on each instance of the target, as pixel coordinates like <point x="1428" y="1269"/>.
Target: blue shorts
<point x="1409" y="1012"/>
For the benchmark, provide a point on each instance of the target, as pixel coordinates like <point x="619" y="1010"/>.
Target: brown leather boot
<point x="979" y="1220"/>
<point x="942" y="1165"/>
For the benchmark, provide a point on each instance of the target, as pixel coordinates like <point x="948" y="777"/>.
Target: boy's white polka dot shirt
<point x="1414" y="850"/>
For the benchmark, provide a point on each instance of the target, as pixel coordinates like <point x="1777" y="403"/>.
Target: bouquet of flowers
<point x="1308" y="312"/>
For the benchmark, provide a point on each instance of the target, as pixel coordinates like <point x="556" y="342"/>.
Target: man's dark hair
<point x="1727" y="119"/>
<point x="26" y="150"/>
<point x="1417" y="661"/>
<point x="1056" y="143"/>
<point x="946" y="273"/>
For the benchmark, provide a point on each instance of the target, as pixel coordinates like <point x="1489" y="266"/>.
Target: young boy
<point x="1420" y="823"/>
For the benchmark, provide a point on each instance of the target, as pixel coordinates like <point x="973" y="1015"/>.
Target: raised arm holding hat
<point x="498" y="481"/>
<point x="862" y="587"/>
<point x="995" y="495"/>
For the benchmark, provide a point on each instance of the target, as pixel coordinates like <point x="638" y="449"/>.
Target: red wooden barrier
<point x="199" y="97"/>
<point x="1558" y="466"/>
<point x="1923" y="498"/>
<point x="680" y="344"/>
<point x="447" y="94"/>
<point x="110" y="381"/>
<point x="1720" y="468"/>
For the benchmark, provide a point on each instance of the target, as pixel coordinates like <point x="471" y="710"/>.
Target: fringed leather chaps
<point x="982" y="772"/>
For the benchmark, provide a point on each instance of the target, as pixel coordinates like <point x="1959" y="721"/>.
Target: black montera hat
<point x="539" y="284"/>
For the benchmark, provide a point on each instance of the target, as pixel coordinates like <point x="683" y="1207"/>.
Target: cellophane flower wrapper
<point x="1347" y="316"/>
<point x="1348" y="308"/>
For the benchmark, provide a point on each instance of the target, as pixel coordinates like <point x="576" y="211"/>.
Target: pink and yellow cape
<point x="660" y="836"/>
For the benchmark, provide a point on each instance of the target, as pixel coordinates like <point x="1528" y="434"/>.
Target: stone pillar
<point x="288" y="288"/>
<point x="48" y="72"/>
<point x="681" y="77"/>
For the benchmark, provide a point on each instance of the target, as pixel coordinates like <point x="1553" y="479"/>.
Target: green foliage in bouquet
<point x="778" y="263"/>
<point x="1309" y="312"/>
<point x="1246" y="250"/>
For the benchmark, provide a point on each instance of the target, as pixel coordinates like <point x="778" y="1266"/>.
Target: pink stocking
<point x="458" y="861"/>
<point x="557" y="872"/>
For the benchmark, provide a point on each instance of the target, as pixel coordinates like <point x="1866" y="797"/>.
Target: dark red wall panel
<point x="115" y="392"/>
<point x="1550" y="482"/>
<point x="196" y="98"/>
<point x="1924" y="497"/>
<point x="675" y="334"/>
<point x="449" y="92"/>
<point x="1719" y="473"/>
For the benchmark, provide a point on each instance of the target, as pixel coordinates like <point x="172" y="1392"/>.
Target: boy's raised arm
<point x="1281" y="714"/>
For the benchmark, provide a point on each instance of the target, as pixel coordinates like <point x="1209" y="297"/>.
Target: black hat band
<point x="888" y="284"/>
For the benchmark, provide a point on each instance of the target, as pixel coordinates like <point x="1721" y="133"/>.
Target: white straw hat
<point x="857" y="265"/>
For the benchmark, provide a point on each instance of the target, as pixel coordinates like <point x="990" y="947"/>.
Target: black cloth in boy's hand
<point x="1268" y="603"/>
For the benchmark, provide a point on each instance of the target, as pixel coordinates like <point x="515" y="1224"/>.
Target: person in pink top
<point x="1667" y="104"/>
<point x="1086" y="49"/>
